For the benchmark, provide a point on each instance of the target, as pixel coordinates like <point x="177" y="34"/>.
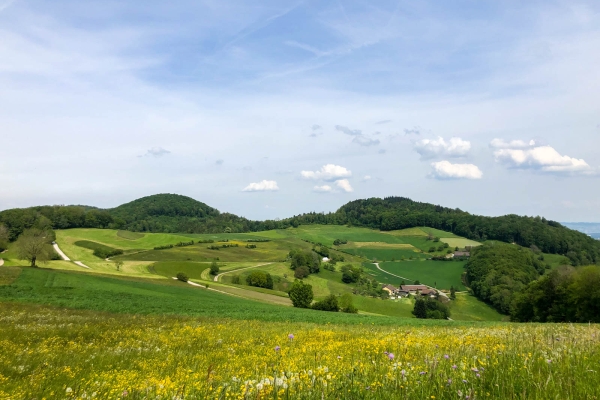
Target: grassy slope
<point x="467" y="307"/>
<point x="136" y="296"/>
<point x="442" y="273"/>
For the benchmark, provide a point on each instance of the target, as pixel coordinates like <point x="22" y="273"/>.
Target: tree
<point x="345" y="303"/>
<point x="420" y="309"/>
<point x="452" y="293"/>
<point x="260" y="279"/>
<point x="329" y="303"/>
<point x="417" y="282"/>
<point x="3" y="237"/>
<point x="301" y="294"/>
<point x="301" y="272"/>
<point x="182" y="277"/>
<point x="119" y="265"/>
<point x="214" y="268"/>
<point x="34" y="245"/>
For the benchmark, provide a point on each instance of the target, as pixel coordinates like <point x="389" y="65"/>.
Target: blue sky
<point x="273" y="108"/>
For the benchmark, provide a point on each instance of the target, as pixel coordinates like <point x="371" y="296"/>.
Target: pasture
<point x="440" y="274"/>
<point x="146" y="356"/>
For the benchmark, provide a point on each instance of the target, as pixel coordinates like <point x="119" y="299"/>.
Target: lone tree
<point x="214" y="268"/>
<point x="452" y="293"/>
<point x="3" y="238"/>
<point x="34" y="245"/>
<point x="301" y="294"/>
<point x="119" y="265"/>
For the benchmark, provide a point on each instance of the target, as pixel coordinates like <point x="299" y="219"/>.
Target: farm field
<point x="461" y="243"/>
<point x="441" y="273"/>
<point x="467" y="307"/>
<point x="252" y="359"/>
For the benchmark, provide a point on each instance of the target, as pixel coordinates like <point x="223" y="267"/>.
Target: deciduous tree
<point x="34" y="246"/>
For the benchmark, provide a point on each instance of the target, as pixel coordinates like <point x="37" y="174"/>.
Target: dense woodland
<point x="176" y="213"/>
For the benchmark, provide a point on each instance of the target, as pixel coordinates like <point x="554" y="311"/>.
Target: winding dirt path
<point x="60" y="252"/>
<point x="216" y="278"/>
<point x="81" y="264"/>
<point x="1" y="262"/>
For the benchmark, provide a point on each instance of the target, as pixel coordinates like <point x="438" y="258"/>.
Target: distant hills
<point x="590" y="228"/>
<point x="176" y="213"/>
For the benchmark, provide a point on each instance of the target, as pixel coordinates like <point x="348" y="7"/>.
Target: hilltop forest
<point x="171" y="213"/>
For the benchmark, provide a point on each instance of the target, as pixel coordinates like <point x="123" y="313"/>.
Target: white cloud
<point x="262" y="186"/>
<point x="323" y="189"/>
<point x="431" y="148"/>
<point x="329" y="172"/>
<point x="513" y="144"/>
<point x="344" y="184"/>
<point x="447" y="170"/>
<point x="543" y="158"/>
<point x="366" y="178"/>
<point x="156" y="152"/>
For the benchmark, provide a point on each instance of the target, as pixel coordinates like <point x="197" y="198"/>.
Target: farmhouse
<point x="390" y="289"/>
<point x="462" y="254"/>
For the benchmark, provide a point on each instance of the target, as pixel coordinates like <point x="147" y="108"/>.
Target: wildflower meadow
<point x="48" y="353"/>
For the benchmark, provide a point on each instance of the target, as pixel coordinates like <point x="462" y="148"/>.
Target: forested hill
<point x="399" y="213"/>
<point x="157" y="213"/>
<point x="176" y="213"/>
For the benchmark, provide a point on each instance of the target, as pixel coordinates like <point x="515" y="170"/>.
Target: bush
<point x="301" y="294"/>
<point x="329" y="303"/>
<point x="301" y="272"/>
<point x="182" y="277"/>
<point x="214" y="268"/>
<point x="100" y="250"/>
<point x="260" y="279"/>
<point x="350" y="274"/>
<point x="338" y="242"/>
<point x="430" y="309"/>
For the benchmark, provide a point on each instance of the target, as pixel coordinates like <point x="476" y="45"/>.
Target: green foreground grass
<point x="140" y="296"/>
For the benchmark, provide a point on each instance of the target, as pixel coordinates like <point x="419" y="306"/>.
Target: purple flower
<point x="465" y="381"/>
<point x="277" y="348"/>
<point x="386" y="353"/>
<point x="446" y="356"/>
<point x="422" y="373"/>
<point x="403" y="372"/>
<point x="474" y="370"/>
<point x="391" y="356"/>
<point x="291" y="336"/>
<point x="454" y="366"/>
<point x="449" y="381"/>
<point x="477" y="375"/>
<point x="549" y="361"/>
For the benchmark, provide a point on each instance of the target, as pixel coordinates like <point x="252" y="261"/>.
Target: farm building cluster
<point x="410" y="290"/>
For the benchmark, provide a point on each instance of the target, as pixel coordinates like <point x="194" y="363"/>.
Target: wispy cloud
<point x="385" y="121"/>
<point x="156" y="152"/>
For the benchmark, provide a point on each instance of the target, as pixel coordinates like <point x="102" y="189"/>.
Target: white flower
<point x="259" y="386"/>
<point x="69" y="390"/>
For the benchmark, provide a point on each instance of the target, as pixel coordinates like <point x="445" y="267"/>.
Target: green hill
<point x="170" y="213"/>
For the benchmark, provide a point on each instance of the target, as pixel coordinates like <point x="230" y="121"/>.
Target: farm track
<point x="216" y="278"/>
<point x="60" y="252"/>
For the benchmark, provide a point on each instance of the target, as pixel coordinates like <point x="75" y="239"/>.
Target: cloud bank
<point x="447" y="170"/>
<point x="542" y="158"/>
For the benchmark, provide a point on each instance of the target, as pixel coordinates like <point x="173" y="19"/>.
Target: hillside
<point x="170" y="213"/>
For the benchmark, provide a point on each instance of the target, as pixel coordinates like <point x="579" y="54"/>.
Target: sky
<point x="269" y="109"/>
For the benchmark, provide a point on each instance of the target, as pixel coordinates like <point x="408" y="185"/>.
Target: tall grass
<point x="50" y="353"/>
